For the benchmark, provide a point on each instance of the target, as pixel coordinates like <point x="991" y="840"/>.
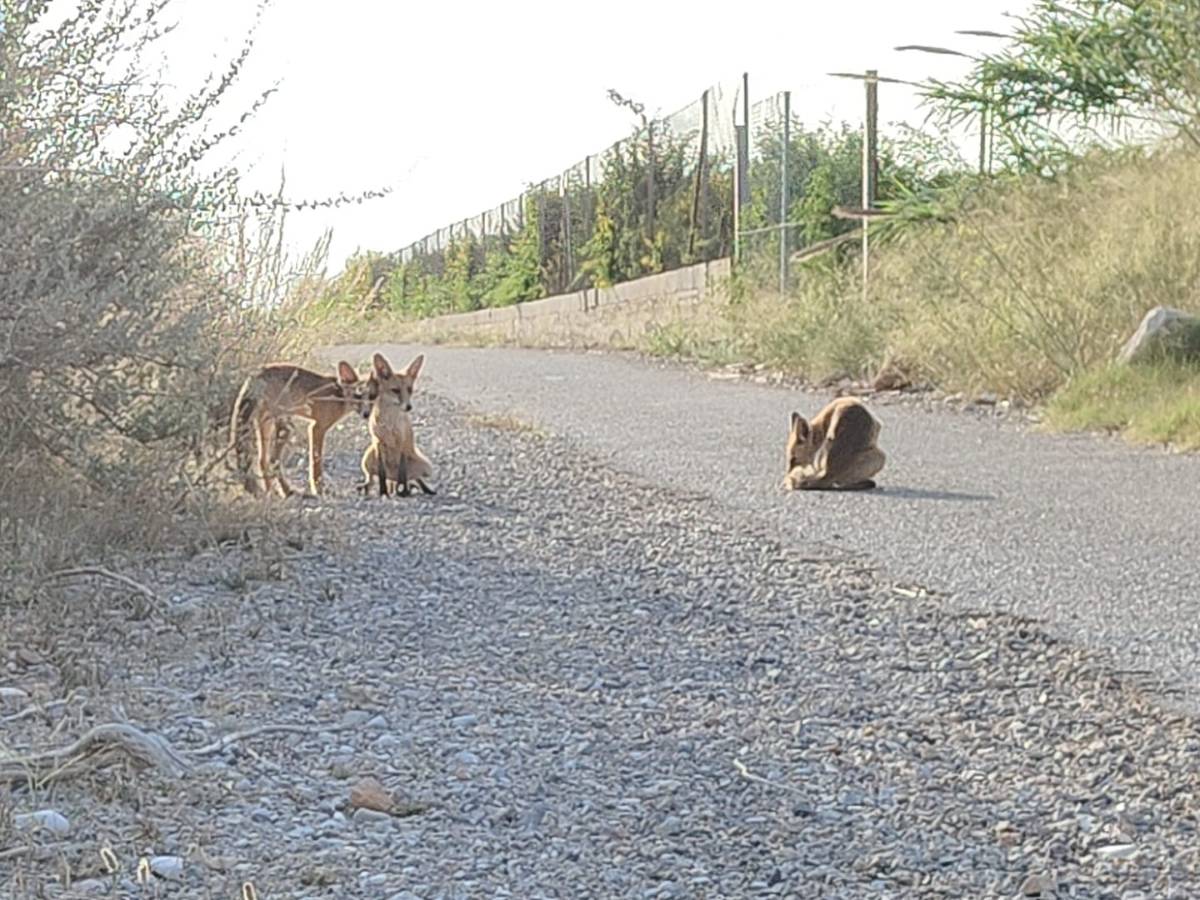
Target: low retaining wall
<point x="615" y="316"/>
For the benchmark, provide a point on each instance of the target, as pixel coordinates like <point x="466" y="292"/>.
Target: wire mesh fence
<point x="720" y="177"/>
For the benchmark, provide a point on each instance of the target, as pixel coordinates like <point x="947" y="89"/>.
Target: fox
<point x="272" y="395"/>
<point x="393" y="457"/>
<point x="837" y="450"/>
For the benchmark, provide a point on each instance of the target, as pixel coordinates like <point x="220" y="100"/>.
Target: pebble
<point x="47" y="820"/>
<point x="168" y="867"/>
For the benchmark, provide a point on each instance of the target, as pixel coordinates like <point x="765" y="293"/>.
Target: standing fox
<point x="393" y="456"/>
<point x="277" y="392"/>
<point x="836" y="451"/>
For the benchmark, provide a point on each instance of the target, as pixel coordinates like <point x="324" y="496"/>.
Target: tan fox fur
<point x="837" y="450"/>
<point x="271" y="396"/>
<point x="393" y="458"/>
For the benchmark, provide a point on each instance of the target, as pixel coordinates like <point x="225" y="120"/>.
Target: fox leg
<point x="402" y="477"/>
<point x="856" y="475"/>
<point x="381" y="472"/>
<point x="268" y="457"/>
<point x="420" y="470"/>
<point x="282" y="438"/>
<point x="316" y="450"/>
<point x="860" y="471"/>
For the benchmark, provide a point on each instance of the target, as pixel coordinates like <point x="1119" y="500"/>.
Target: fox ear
<point x="346" y="373"/>
<point x="382" y="367"/>
<point x="414" y="367"/>
<point x="799" y="426"/>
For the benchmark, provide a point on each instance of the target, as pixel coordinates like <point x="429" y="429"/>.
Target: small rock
<point x="377" y="723"/>
<point x="355" y="717"/>
<point x="364" y="816"/>
<point x="169" y="867"/>
<point x="669" y="826"/>
<point x="467" y="721"/>
<point x="533" y="816"/>
<point x="371" y="794"/>
<point x="43" y="820"/>
<point x="1039" y="886"/>
<point x="90" y="886"/>
<point x="466" y="758"/>
<point x="892" y="376"/>
<point x="1116" y="851"/>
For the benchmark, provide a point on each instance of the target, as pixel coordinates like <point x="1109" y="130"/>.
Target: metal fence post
<point x="697" y="222"/>
<point x="741" y="172"/>
<point x="784" y="230"/>
<point x="869" y="173"/>
<point x="568" y="256"/>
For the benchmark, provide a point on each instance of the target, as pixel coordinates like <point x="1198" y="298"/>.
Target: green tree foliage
<point x="1077" y="64"/>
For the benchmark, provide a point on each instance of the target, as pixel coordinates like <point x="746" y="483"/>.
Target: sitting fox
<point x="835" y="451"/>
<point x="393" y="457"/>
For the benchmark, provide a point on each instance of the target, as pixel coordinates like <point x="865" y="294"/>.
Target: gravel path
<point x="584" y="684"/>
<point x="1099" y="539"/>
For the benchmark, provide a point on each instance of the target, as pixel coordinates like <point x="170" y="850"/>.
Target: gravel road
<point x="579" y="673"/>
<point x="1099" y="539"/>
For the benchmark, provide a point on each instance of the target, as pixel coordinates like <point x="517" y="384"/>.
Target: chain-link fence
<point x="720" y="177"/>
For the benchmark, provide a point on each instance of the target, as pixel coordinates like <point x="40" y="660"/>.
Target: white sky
<point x="459" y="105"/>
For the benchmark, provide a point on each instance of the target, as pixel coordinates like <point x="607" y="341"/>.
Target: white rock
<point x="13" y="697"/>
<point x="43" y="820"/>
<point x="1157" y="324"/>
<point x="169" y="867"/>
<point x="1116" y="851"/>
<point x="1039" y="886"/>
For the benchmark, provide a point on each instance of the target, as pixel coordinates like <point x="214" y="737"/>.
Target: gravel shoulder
<point x="583" y="682"/>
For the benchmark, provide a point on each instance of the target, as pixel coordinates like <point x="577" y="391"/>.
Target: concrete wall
<point x="616" y="316"/>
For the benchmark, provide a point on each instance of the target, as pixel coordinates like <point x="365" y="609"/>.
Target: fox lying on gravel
<point x="393" y="456"/>
<point x="272" y="395"/>
<point x="835" y="451"/>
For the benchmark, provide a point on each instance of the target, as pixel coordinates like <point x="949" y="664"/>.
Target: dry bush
<point x="134" y="279"/>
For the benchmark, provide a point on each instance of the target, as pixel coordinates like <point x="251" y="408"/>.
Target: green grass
<point x="1156" y="403"/>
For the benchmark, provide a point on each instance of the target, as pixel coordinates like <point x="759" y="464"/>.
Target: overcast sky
<point x="457" y="106"/>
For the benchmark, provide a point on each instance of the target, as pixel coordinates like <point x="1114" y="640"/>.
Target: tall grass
<point x="1032" y="282"/>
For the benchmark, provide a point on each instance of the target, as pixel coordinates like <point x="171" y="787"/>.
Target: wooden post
<point x="783" y="194"/>
<point x="869" y="169"/>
